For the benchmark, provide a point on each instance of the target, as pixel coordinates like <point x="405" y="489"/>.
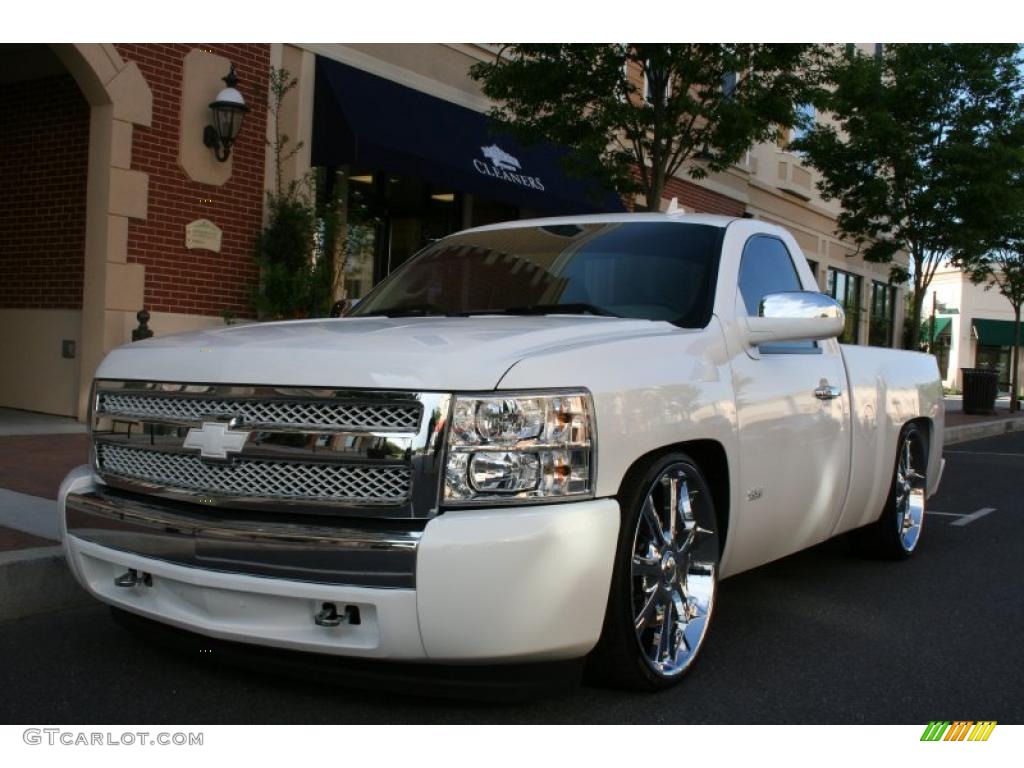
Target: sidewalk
<point x="961" y="427"/>
<point x="36" y="452"/>
<point x="14" y="422"/>
<point x="36" y="464"/>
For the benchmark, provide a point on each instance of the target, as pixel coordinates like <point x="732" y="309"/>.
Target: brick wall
<point x="697" y="198"/>
<point x="44" y="153"/>
<point x="198" y="282"/>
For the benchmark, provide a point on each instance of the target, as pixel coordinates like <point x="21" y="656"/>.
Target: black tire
<point x="683" y="576"/>
<point x="897" y="531"/>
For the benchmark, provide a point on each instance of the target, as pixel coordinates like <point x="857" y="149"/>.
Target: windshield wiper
<point x="410" y="310"/>
<point x="559" y="309"/>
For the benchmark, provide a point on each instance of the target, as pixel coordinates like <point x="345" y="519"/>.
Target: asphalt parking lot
<point x="819" y="637"/>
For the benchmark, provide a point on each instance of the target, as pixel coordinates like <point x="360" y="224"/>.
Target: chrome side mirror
<point x="795" y="316"/>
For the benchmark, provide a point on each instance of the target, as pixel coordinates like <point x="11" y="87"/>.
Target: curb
<point x="37" y="580"/>
<point x="967" y="432"/>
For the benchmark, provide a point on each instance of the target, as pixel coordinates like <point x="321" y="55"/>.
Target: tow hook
<point x="132" y="578"/>
<point x="329" y="616"/>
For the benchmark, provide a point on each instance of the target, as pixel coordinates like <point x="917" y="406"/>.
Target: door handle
<point x="827" y="392"/>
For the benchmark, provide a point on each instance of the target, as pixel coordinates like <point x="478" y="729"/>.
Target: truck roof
<point x="610" y="218"/>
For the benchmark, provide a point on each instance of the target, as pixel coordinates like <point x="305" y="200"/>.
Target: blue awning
<point x="367" y="121"/>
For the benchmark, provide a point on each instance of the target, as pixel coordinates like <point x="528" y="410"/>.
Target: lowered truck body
<point x="535" y="441"/>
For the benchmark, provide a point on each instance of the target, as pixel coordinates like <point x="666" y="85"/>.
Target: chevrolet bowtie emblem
<point x="215" y="440"/>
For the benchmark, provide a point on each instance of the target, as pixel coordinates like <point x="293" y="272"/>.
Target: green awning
<point x="941" y="326"/>
<point x="995" y="333"/>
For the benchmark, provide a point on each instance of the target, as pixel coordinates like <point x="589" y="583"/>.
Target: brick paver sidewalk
<point x="12" y="539"/>
<point x="36" y="464"/>
<point x="959" y="418"/>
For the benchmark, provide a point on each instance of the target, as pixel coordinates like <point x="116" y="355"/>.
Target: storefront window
<point x="844" y="287"/>
<point x="359" y="235"/>
<point x="995" y="359"/>
<point x="880" y="327"/>
<point x="941" y="351"/>
<point x="483" y="212"/>
<point x="389" y="217"/>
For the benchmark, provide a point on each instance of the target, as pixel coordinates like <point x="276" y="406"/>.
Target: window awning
<point x="941" y="326"/>
<point x="368" y="121"/>
<point x="995" y="333"/>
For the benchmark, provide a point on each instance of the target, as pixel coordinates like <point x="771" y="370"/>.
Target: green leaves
<point x="913" y="147"/>
<point x="292" y="282"/>
<point x="296" y="277"/>
<point x="635" y="114"/>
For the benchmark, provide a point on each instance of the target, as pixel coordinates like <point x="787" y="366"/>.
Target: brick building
<point x="104" y="171"/>
<point x="103" y="167"/>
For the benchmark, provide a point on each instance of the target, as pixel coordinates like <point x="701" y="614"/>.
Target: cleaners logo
<point x="502" y="165"/>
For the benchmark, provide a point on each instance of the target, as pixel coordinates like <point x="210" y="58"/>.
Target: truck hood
<point x="421" y="353"/>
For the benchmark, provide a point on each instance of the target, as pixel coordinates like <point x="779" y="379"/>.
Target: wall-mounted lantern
<point x="228" y="109"/>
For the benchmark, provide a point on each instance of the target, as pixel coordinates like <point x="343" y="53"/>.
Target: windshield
<point x="649" y="270"/>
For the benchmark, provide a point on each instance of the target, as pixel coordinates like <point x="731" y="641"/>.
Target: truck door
<point x="793" y="418"/>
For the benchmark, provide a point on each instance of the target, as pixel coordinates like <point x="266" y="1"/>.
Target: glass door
<point x="995" y="359"/>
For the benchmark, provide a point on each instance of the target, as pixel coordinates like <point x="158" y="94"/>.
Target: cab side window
<point x="766" y="267"/>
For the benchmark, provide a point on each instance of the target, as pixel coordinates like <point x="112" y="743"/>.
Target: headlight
<point x="520" y="447"/>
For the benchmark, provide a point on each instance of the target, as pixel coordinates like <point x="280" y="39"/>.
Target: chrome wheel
<point x="910" y="492"/>
<point x="673" y="571"/>
<point x="896" y="533"/>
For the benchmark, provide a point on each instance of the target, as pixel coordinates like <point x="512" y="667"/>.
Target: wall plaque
<point x="203" y="233"/>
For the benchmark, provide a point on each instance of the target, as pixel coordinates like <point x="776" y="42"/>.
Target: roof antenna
<point x="673" y="207"/>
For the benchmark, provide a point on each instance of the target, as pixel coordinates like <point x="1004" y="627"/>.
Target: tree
<point x="994" y="245"/>
<point x="296" y="249"/>
<point x="906" y="152"/>
<point x="702" y="107"/>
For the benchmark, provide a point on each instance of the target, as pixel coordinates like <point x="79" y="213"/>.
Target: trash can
<point x="980" y="387"/>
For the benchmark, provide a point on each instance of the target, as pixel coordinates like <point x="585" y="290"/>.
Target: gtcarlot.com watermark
<point x="68" y="738"/>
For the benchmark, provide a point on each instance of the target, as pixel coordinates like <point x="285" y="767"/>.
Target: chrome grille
<point x="291" y="449"/>
<point x="266" y="413"/>
<point x="321" y="482"/>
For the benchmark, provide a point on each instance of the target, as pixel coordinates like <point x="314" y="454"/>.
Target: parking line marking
<point x="967" y="519"/>
<point x="944" y="514"/>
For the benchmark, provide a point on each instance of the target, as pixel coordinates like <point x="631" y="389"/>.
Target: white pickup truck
<point x="535" y="441"/>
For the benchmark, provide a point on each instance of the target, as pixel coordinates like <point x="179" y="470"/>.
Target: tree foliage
<point x="908" y="152"/>
<point x="705" y="105"/>
<point x="296" y="249"/>
<point x="995" y="242"/>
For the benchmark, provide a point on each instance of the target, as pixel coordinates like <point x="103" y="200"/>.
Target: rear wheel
<point x="897" y="531"/>
<point x="665" y="578"/>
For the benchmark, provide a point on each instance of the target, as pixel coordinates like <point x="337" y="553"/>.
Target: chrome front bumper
<point x="384" y="556"/>
<point x="480" y="585"/>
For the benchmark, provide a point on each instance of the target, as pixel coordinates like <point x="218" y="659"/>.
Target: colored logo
<point x="958" y="730"/>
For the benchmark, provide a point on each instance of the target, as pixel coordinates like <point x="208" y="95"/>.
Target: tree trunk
<point x="1014" y="376"/>
<point x="915" y="320"/>
<point x="653" y="194"/>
